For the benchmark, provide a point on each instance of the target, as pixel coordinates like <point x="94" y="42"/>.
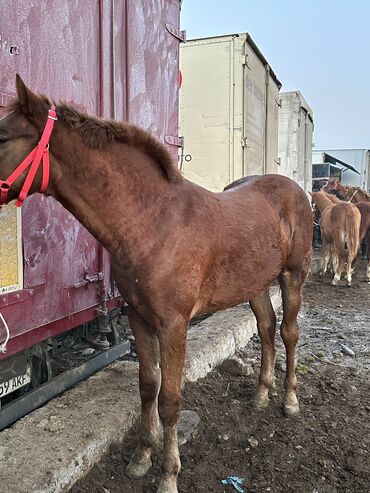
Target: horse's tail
<point x="352" y="225"/>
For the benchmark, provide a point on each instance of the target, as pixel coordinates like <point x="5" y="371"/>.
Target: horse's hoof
<point x="136" y="470"/>
<point x="290" y="410"/>
<point x="261" y="403"/>
<point x="167" y="486"/>
<point x="334" y="282"/>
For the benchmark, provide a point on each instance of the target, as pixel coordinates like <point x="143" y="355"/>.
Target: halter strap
<point x="40" y="154"/>
<point x="353" y="195"/>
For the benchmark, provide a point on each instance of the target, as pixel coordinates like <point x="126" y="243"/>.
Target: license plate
<point x="15" y="383"/>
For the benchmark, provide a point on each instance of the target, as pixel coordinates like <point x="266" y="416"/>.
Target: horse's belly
<point x="239" y="283"/>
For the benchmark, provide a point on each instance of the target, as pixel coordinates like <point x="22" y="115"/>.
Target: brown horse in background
<point x="347" y="192"/>
<point x="177" y="249"/>
<point x="360" y="198"/>
<point x="340" y="226"/>
<point x="364" y="208"/>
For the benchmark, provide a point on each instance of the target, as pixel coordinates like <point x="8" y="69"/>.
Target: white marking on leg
<point x="349" y="277"/>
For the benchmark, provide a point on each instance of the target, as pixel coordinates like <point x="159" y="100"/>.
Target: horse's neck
<point x="323" y="202"/>
<point x="361" y="197"/>
<point x="117" y="194"/>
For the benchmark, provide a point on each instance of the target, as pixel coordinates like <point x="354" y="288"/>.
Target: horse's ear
<point x="30" y="104"/>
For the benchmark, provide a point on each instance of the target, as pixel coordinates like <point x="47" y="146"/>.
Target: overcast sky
<point x="321" y="48"/>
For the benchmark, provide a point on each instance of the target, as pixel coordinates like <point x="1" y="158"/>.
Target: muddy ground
<point x="326" y="449"/>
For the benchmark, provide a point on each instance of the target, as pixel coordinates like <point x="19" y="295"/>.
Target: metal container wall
<point x="228" y="111"/>
<point x="358" y="158"/>
<point x="295" y="139"/>
<point x="114" y="59"/>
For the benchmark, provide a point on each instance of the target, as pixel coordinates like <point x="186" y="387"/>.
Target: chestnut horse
<point x="347" y="192"/>
<point x="360" y="198"/>
<point x="177" y="249"/>
<point x="364" y="208"/>
<point x="340" y="226"/>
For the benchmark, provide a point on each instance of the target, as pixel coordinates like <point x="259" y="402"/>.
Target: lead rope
<point x="3" y="346"/>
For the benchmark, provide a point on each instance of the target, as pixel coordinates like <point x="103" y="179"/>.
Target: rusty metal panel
<point x="116" y="59"/>
<point x="153" y="66"/>
<point x="56" y="50"/>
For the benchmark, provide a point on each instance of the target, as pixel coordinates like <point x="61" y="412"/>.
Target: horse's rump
<point x="345" y="220"/>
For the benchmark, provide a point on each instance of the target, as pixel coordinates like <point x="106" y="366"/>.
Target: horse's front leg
<point x="149" y="381"/>
<point x="172" y="341"/>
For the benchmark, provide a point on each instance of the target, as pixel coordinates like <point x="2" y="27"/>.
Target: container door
<point x="272" y="126"/>
<point x="261" y="116"/>
<point x="206" y="110"/>
<point x="152" y="51"/>
<point x="254" y="113"/>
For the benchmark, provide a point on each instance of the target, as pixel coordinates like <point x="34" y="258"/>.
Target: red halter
<point x="40" y="154"/>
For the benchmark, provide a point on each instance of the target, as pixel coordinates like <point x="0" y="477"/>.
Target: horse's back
<point x="271" y="185"/>
<point x="286" y="198"/>
<point x="283" y="202"/>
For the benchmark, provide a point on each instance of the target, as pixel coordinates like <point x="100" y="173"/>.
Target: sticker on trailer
<point x="15" y="383"/>
<point x="11" y="272"/>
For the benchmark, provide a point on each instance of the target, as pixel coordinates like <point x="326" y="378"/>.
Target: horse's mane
<point x="97" y="133"/>
<point x="324" y="199"/>
<point x="333" y="197"/>
<point x="352" y="189"/>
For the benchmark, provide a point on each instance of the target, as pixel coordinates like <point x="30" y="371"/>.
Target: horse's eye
<point x="3" y="137"/>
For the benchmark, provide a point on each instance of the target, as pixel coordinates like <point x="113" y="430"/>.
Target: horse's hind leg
<point x="291" y="283"/>
<point x="266" y="324"/>
<point x="335" y="260"/>
<point x="325" y="255"/>
<point x="149" y="382"/>
<point x="350" y="267"/>
<point x="339" y="249"/>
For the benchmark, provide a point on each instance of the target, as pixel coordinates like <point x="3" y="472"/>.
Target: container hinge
<point x="278" y="161"/>
<point x="244" y="142"/>
<point x="246" y="61"/>
<point x="181" y="35"/>
<point x="278" y="102"/>
<point x="174" y="140"/>
<point x="88" y="279"/>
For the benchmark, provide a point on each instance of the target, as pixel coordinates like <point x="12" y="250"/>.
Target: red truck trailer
<point x="113" y="58"/>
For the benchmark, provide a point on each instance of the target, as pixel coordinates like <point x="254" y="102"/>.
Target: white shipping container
<point x="295" y="138"/>
<point x="228" y="111"/>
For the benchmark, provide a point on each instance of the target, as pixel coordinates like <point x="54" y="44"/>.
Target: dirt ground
<point x="326" y="449"/>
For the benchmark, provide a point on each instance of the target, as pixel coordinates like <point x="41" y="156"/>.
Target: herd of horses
<point x="177" y="249"/>
<point x="344" y="213"/>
